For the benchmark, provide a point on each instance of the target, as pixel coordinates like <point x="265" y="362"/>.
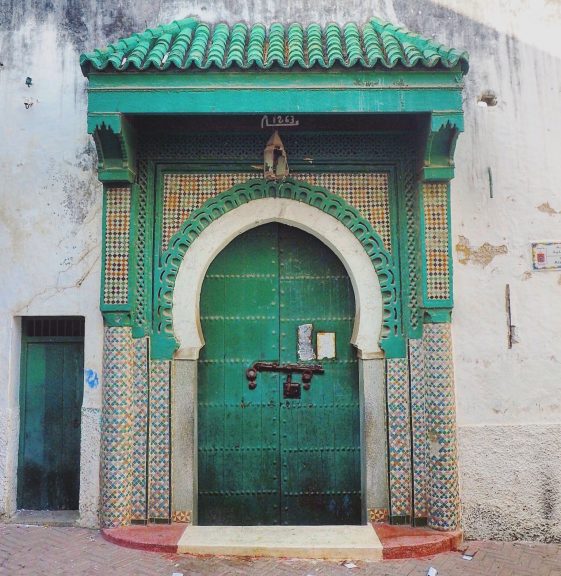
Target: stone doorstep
<point x="45" y="517"/>
<point x="325" y="542"/>
<point x="371" y="542"/>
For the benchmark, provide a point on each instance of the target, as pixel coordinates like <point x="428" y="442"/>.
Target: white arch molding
<point x="365" y="337"/>
<point x="199" y="256"/>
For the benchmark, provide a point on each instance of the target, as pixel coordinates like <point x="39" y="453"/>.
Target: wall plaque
<point x="546" y="255"/>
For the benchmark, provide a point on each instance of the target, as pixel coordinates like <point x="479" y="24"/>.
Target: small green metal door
<point x="50" y="403"/>
<point x="264" y="458"/>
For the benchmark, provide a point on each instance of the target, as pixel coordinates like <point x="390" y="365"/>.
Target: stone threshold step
<point x="372" y="542"/>
<point x="322" y="542"/>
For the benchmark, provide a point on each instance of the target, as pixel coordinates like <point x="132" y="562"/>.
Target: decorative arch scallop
<point x="165" y="342"/>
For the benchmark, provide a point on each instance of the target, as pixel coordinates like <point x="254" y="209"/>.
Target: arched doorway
<point x="371" y="273"/>
<point x="271" y="454"/>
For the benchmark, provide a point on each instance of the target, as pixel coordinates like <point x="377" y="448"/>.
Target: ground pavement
<point x="46" y="551"/>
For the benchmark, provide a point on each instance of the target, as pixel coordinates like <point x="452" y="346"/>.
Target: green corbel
<point x="163" y="346"/>
<point x="113" y="318"/>
<point x="440" y="145"/>
<point x="437" y="315"/>
<point x="115" y="140"/>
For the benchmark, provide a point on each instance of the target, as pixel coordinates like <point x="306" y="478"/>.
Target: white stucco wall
<point x="50" y="208"/>
<point x="509" y="407"/>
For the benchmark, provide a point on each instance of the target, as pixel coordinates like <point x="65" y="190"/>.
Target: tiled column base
<point x="116" y="425"/>
<point x="399" y="439"/>
<point x="159" y="443"/>
<point x="444" y="505"/>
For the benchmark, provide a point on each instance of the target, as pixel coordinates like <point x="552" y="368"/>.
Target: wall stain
<point x="481" y="256"/>
<point x="80" y="193"/>
<point x="547" y="209"/>
<point x="548" y="498"/>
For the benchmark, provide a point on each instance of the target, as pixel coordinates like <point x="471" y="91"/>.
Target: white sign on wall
<point x="546" y="255"/>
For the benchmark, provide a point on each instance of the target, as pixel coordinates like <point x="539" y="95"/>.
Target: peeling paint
<point x="481" y="256"/>
<point x="547" y="209"/>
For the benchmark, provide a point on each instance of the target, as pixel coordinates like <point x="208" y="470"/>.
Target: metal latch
<point x="290" y="389"/>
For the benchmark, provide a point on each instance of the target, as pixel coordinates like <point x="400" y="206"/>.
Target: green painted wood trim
<point x="115" y="175"/>
<point x="399" y="223"/>
<point x="115" y="141"/>
<point x="437" y="315"/>
<point x="142" y="324"/>
<point x="417" y="332"/>
<point x="163" y="340"/>
<point x="102" y="305"/>
<point x="281" y="101"/>
<point x="282" y="92"/>
<point x="116" y="319"/>
<point x="440" y="145"/>
<point x="450" y="79"/>
<point x="22" y="411"/>
<point x="438" y="173"/>
<point x="133" y="236"/>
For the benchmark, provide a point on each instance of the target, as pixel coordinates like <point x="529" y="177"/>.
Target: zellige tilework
<point x="116" y="424"/>
<point x="419" y="426"/>
<point x="117" y="229"/>
<point x="368" y="192"/>
<point x="378" y="514"/>
<point x="399" y="436"/>
<point x="181" y="516"/>
<point x="185" y="192"/>
<point x="139" y="429"/>
<point x="159" y="441"/>
<point x="435" y="205"/>
<point x="444" y="506"/>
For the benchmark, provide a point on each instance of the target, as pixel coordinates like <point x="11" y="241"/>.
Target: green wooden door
<point x="264" y="458"/>
<point x="50" y="403"/>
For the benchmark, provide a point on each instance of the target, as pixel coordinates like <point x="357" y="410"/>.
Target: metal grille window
<point x="53" y="326"/>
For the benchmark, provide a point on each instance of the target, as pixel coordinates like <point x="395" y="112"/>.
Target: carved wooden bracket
<point x="115" y="141"/>
<point x="440" y="146"/>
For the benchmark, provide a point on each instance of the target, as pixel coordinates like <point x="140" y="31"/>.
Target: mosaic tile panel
<point x="368" y="192"/>
<point x="378" y="514"/>
<point x="399" y="436"/>
<point x="116" y="438"/>
<point x="418" y="427"/>
<point x="117" y="231"/>
<point x="444" y="501"/>
<point x="159" y="441"/>
<point x="182" y="516"/>
<point x="435" y="204"/>
<point x="185" y="192"/>
<point x="139" y="429"/>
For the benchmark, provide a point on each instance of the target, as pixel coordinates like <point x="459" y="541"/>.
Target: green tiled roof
<point x="188" y="43"/>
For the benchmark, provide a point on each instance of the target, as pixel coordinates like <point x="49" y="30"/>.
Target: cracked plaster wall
<point x="508" y="399"/>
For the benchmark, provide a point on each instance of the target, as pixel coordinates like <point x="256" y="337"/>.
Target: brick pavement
<point x="46" y="551"/>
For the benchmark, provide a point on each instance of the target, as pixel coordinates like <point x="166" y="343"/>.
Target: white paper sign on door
<point x="325" y="345"/>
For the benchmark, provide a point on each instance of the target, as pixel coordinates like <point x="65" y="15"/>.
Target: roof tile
<point x="188" y="43"/>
